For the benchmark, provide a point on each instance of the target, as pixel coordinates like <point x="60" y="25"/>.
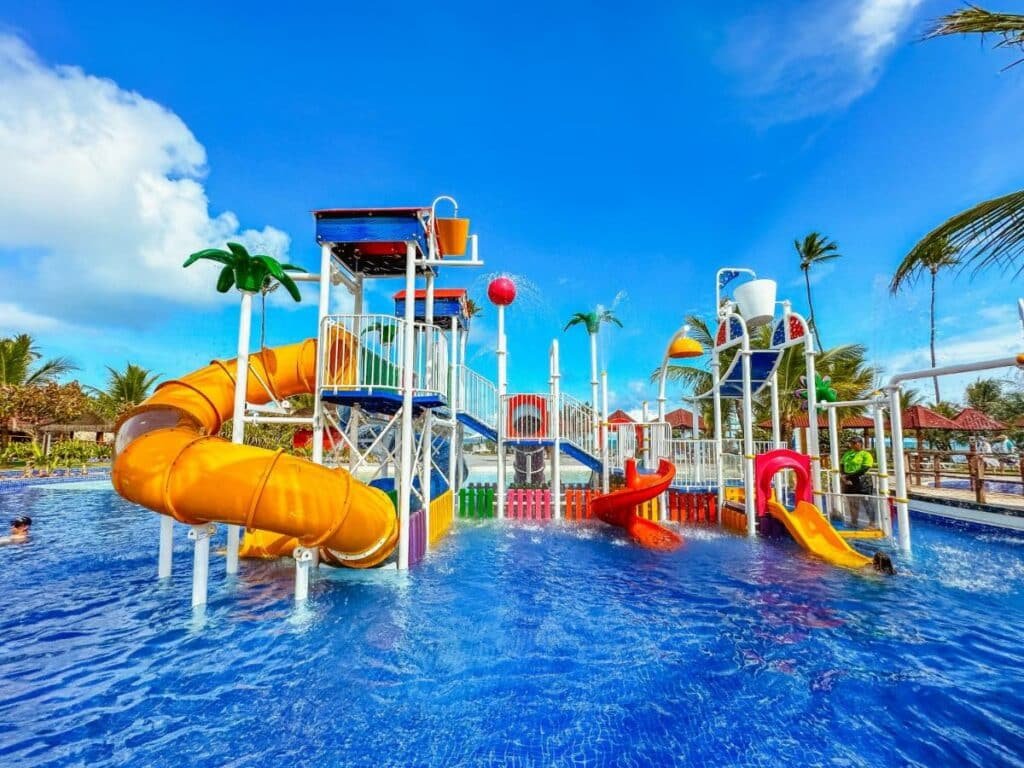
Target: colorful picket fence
<point x="688" y="508"/>
<point x="441" y="514"/>
<point x="417" y="536"/>
<point x="476" y="501"/>
<point x="528" y="504"/>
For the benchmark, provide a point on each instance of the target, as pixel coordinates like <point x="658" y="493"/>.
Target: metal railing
<point x="858" y="511"/>
<point x="694" y="461"/>
<point x="577" y="423"/>
<point x="478" y="397"/>
<point x="653" y="443"/>
<point x="367" y="352"/>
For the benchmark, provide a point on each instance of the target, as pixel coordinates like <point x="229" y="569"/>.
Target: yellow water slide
<point x="814" y="533"/>
<point x="170" y="459"/>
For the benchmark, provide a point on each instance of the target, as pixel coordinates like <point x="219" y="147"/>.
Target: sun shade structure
<point x="763" y="363"/>
<point x="973" y="420"/>
<point x="917" y="417"/>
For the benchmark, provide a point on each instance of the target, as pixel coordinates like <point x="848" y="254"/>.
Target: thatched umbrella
<point x="918" y="418"/>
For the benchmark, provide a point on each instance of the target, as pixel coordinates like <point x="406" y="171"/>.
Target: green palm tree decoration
<point x="815" y="248"/>
<point x="473" y="309"/>
<point x="124" y="389"/>
<point x="991" y="233"/>
<point x="939" y="255"/>
<point x="250" y="274"/>
<point x="18" y="358"/>
<point x="593" y="321"/>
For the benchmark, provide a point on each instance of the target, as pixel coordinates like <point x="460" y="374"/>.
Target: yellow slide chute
<point x="814" y="533"/>
<point x="169" y="459"/>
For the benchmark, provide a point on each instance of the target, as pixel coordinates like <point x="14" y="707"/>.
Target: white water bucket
<point x="756" y="301"/>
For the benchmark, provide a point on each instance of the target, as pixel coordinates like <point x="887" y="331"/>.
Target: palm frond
<point x="238" y="250"/>
<point x="973" y="20"/>
<point x="989" y="234"/>
<point x="940" y="254"/>
<point x="51" y="370"/>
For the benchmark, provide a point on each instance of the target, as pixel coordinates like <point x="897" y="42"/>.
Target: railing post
<point x="979" y="491"/>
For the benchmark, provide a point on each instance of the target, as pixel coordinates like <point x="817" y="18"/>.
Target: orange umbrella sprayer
<point x="169" y="458"/>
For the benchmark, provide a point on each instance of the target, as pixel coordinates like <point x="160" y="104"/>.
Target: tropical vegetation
<point x="124" y="390"/>
<point x="814" y="249"/>
<point x="940" y="254"/>
<point x="991" y="233"/>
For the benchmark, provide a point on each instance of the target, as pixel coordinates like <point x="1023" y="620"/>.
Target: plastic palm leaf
<point x="226" y="279"/>
<point x="274" y="269"/>
<point x="211" y="254"/>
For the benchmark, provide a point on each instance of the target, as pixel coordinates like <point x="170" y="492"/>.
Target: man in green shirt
<point x="853" y="467"/>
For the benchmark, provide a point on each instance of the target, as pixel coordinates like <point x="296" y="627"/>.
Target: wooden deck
<point x="992" y="498"/>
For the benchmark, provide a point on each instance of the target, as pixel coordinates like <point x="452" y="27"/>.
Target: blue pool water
<point x="511" y="646"/>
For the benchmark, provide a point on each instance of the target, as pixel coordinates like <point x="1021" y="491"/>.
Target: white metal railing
<point x="695" y="461"/>
<point x="654" y="443"/>
<point x="478" y="397"/>
<point x="368" y="352"/>
<point x="577" y="423"/>
<point x="858" y="511"/>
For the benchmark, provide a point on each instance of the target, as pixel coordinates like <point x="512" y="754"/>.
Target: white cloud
<point x="102" y="198"/>
<point x="1000" y="337"/>
<point x="813" y="57"/>
<point x="14" y="320"/>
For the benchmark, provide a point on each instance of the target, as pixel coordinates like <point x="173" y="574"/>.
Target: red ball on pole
<point x="501" y="291"/>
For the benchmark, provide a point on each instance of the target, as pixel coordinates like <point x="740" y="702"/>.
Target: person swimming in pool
<point x="19" y="530"/>
<point x="883" y="564"/>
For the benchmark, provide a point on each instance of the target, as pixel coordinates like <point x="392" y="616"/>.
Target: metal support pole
<point x="716" y="380"/>
<point x="305" y="559"/>
<point x="502" y="391"/>
<point x="813" y="447"/>
<point x="323" y="308"/>
<point x="163" y="570"/>
<point x="556" y="431"/>
<point x="605" y="469"/>
<point x="453" y="388"/>
<point x="748" y="436"/>
<point x="899" y="468"/>
<point x="406" y="461"/>
<point x="779" y="479"/>
<point x="431" y="340"/>
<point x="238" y="414"/>
<point x="595" y="403"/>
<point x="883" y="466"/>
<point x="200" y="535"/>
<point x="355" y="413"/>
<point x="833" y="453"/>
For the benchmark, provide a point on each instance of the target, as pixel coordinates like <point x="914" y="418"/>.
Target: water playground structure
<point x="394" y="399"/>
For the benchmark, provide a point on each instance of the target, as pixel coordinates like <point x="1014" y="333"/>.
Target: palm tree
<point x="593" y="321"/>
<point x="992" y="232"/>
<point x="814" y="249"/>
<point x="18" y="358"/>
<point x="940" y="254"/>
<point x="984" y="394"/>
<point x="124" y="389"/>
<point x="473" y="309"/>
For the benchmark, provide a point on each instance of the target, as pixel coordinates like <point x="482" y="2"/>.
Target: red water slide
<point x="619" y="507"/>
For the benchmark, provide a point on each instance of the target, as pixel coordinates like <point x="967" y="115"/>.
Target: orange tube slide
<point x="169" y="459"/>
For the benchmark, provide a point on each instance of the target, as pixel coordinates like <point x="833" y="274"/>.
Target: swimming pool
<point x="512" y="645"/>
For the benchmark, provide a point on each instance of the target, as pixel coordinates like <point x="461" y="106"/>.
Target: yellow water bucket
<point x="452" y="235"/>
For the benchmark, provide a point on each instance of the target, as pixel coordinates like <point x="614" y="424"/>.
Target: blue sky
<point x="598" y="151"/>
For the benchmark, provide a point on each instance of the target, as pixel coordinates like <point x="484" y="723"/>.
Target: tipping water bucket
<point x="756" y="301"/>
<point x="452" y="236"/>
